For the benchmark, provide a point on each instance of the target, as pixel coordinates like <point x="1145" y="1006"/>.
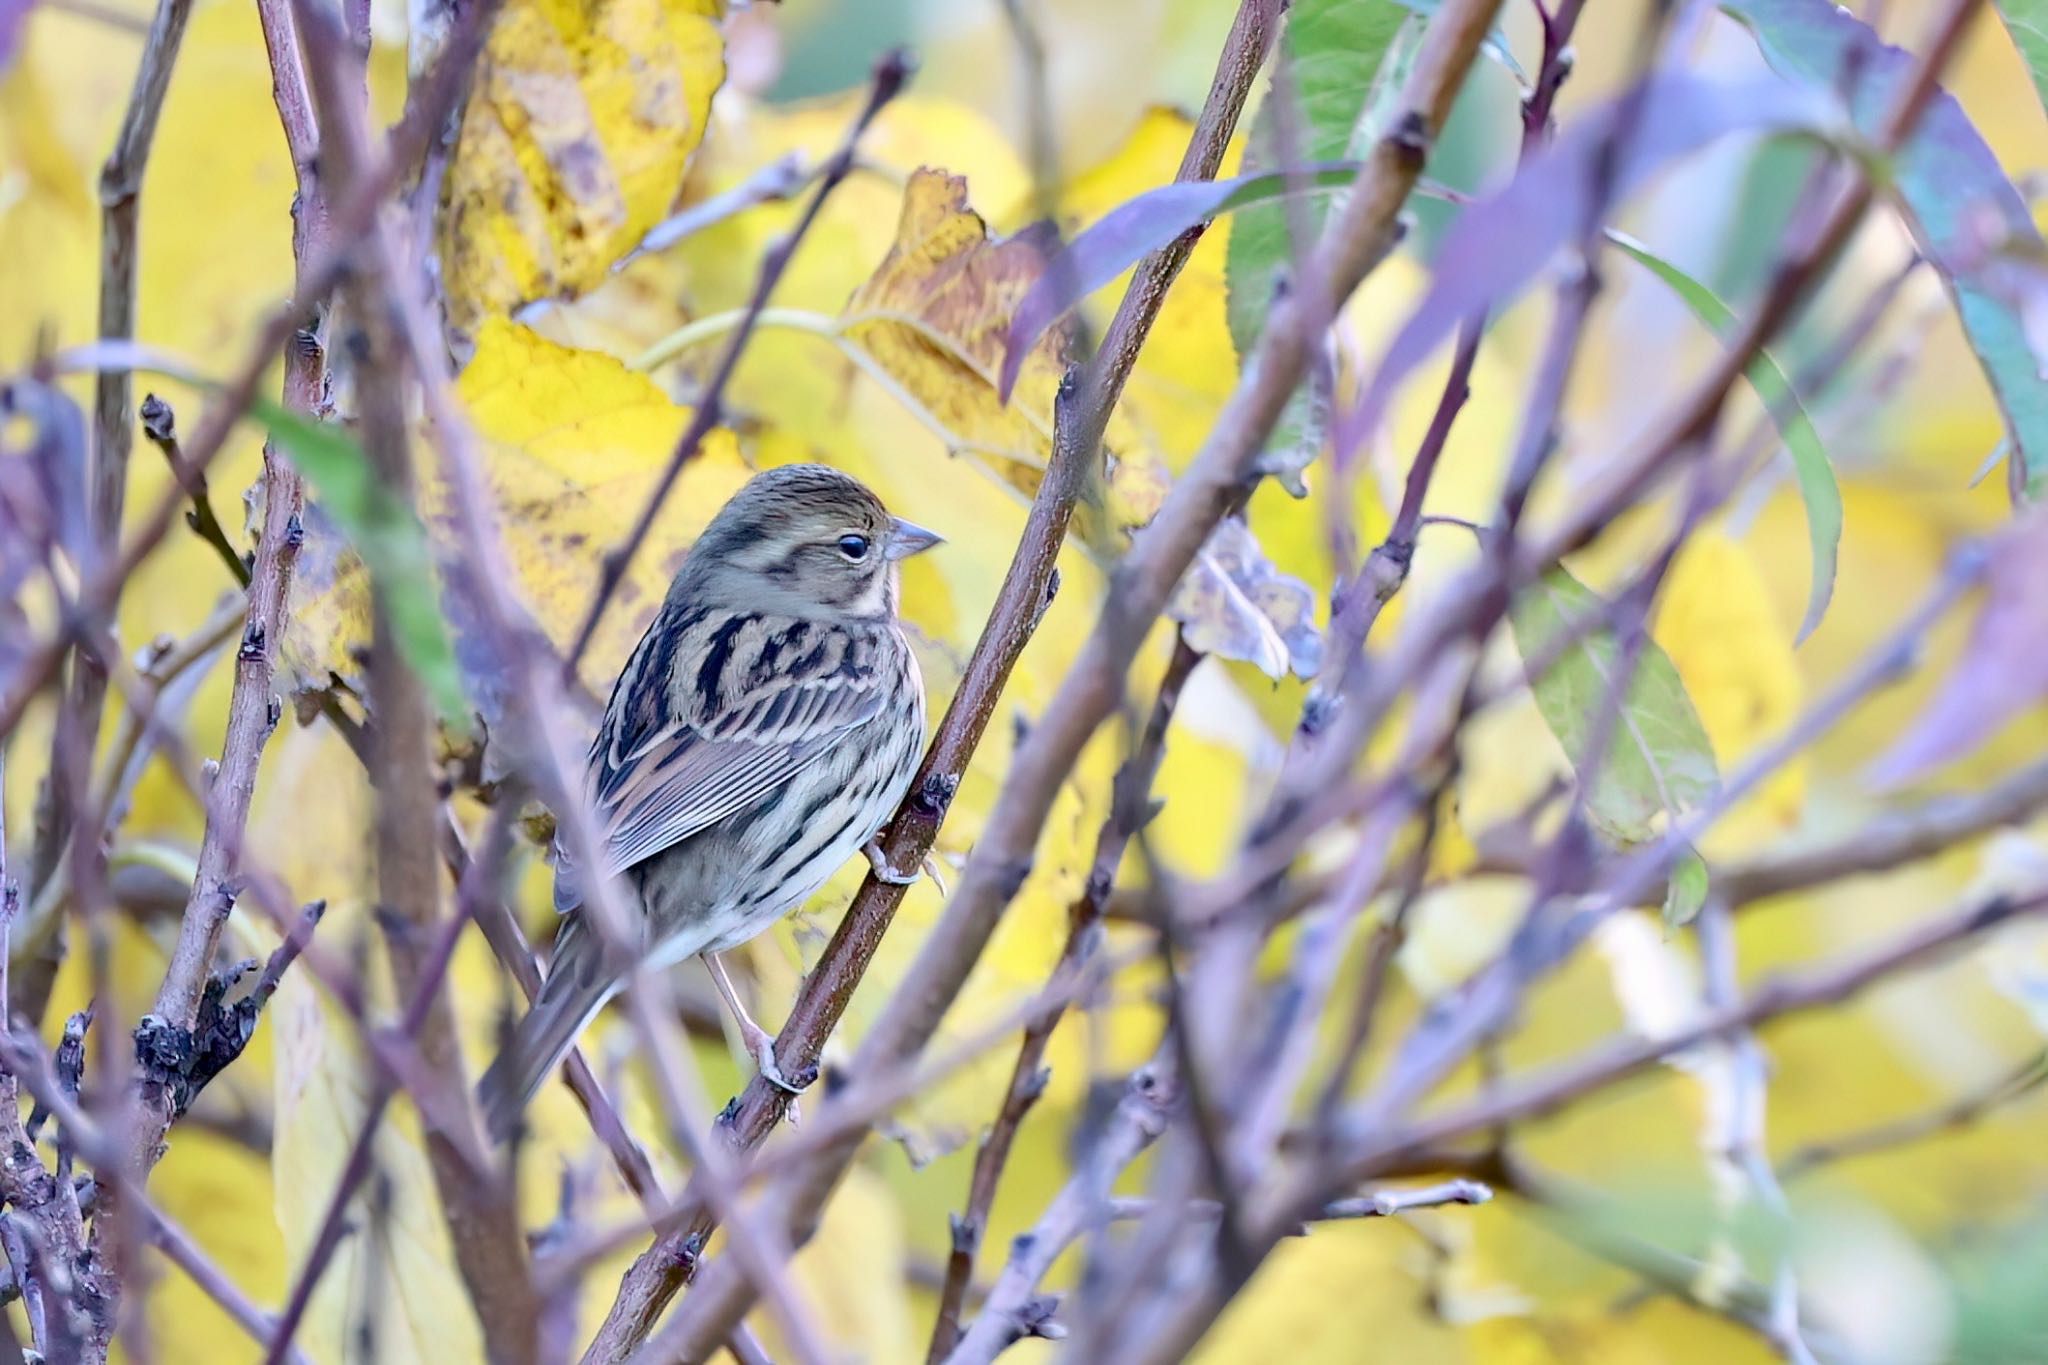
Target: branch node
<point x="1409" y="138"/>
<point x="892" y="72"/>
<point x="1035" y="1318"/>
<point x="936" y="795"/>
<point x="159" y="422"/>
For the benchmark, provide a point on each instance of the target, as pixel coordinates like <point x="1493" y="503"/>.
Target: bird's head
<point x="803" y="540"/>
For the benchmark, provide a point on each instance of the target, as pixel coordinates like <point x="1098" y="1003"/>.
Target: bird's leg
<point x="760" y="1043"/>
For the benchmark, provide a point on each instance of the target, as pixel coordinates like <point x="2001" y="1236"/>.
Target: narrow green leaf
<point x="1992" y="460"/>
<point x="1810" y="467"/>
<point x="1955" y="193"/>
<point x="1658" y="763"/>
<point x="2027" y="22"/>
<point x="1494" y="45"/>
<point x="1687" y="893"/>
<point x="386" y="533"/>
<point x="1336" y="50"/>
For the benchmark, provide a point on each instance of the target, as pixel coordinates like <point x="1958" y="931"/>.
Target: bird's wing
<point x="746" y="727"/>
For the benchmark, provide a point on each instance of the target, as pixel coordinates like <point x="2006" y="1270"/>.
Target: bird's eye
<point x="854" y="547"/>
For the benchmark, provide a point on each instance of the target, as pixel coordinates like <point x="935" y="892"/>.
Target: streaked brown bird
<point x="765" y="727"/>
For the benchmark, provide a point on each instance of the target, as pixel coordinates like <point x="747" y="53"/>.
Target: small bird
<point x="764" y="728"/>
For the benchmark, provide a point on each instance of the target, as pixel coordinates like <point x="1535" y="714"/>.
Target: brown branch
<point x="160" y="424"/>
<point x="2014" y="1084"/>
<point x="253" y="711"/>
<point x="481" y="1213"/>
<point x="1014" y="1309"/>
<point x="1130" y="804"/>
<point x="891" y="73"/>
<point x="1888" y="840"/>
<point x="1081" y="415"/>
<point x="1830" y="984"/>
<point x="120" y="192"/>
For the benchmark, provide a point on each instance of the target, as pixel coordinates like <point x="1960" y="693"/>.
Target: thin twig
<point x="183" y="1252"/>
<point x="1130" y="803"/>
<point x="1013" y="1309"/>
<point x="120" y="193"/>
<point x="891" y="73"/>
<point x="1829" y="984"/>
<point x="1966" y="1109"/>
<point x="1887" y="840"/>
<point x="482" y="1215"/>
<point x="160" y="424"/>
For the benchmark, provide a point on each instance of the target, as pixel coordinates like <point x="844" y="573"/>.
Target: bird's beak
<point x="909" y="539"/>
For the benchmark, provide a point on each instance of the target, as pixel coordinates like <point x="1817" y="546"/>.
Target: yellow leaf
<point x="33" y="158"/>
<point x="1188" y="365"/>
<point x="573" y="145"/>
<point x="851" y="1275"/>
<point x="1717" y="622"/>
<point x="398" y="1257"/>
<point x="1363" y="1284"/>
<point x="934" y="315"/>
<point x="218" y="1191"/>
<point x="934" y="312"/>
<point x="576" y="441"/>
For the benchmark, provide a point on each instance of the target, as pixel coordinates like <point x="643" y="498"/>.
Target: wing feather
<point x="741" y="731"/>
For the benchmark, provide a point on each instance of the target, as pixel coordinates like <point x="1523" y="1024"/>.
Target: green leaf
<point x="1336" y="50"/>
<point x="1687" y="893"/>
<point x="386" y="533"/>
<point x="1658" y="763"/>
<point x="1810" y="466"/>
<point x="2027" y="22"/>
<point x="1955" y="193"/>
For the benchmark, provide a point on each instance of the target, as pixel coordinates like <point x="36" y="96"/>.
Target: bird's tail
<point x="580" y="979"/>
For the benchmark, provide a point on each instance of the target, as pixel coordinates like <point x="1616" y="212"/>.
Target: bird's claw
<point x="879" y="861"/>
<point x="762" y="1045"/>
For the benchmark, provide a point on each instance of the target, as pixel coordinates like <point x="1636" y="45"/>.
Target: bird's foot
<point x="761" y="1043"/>
<point x="879" y="861"/>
